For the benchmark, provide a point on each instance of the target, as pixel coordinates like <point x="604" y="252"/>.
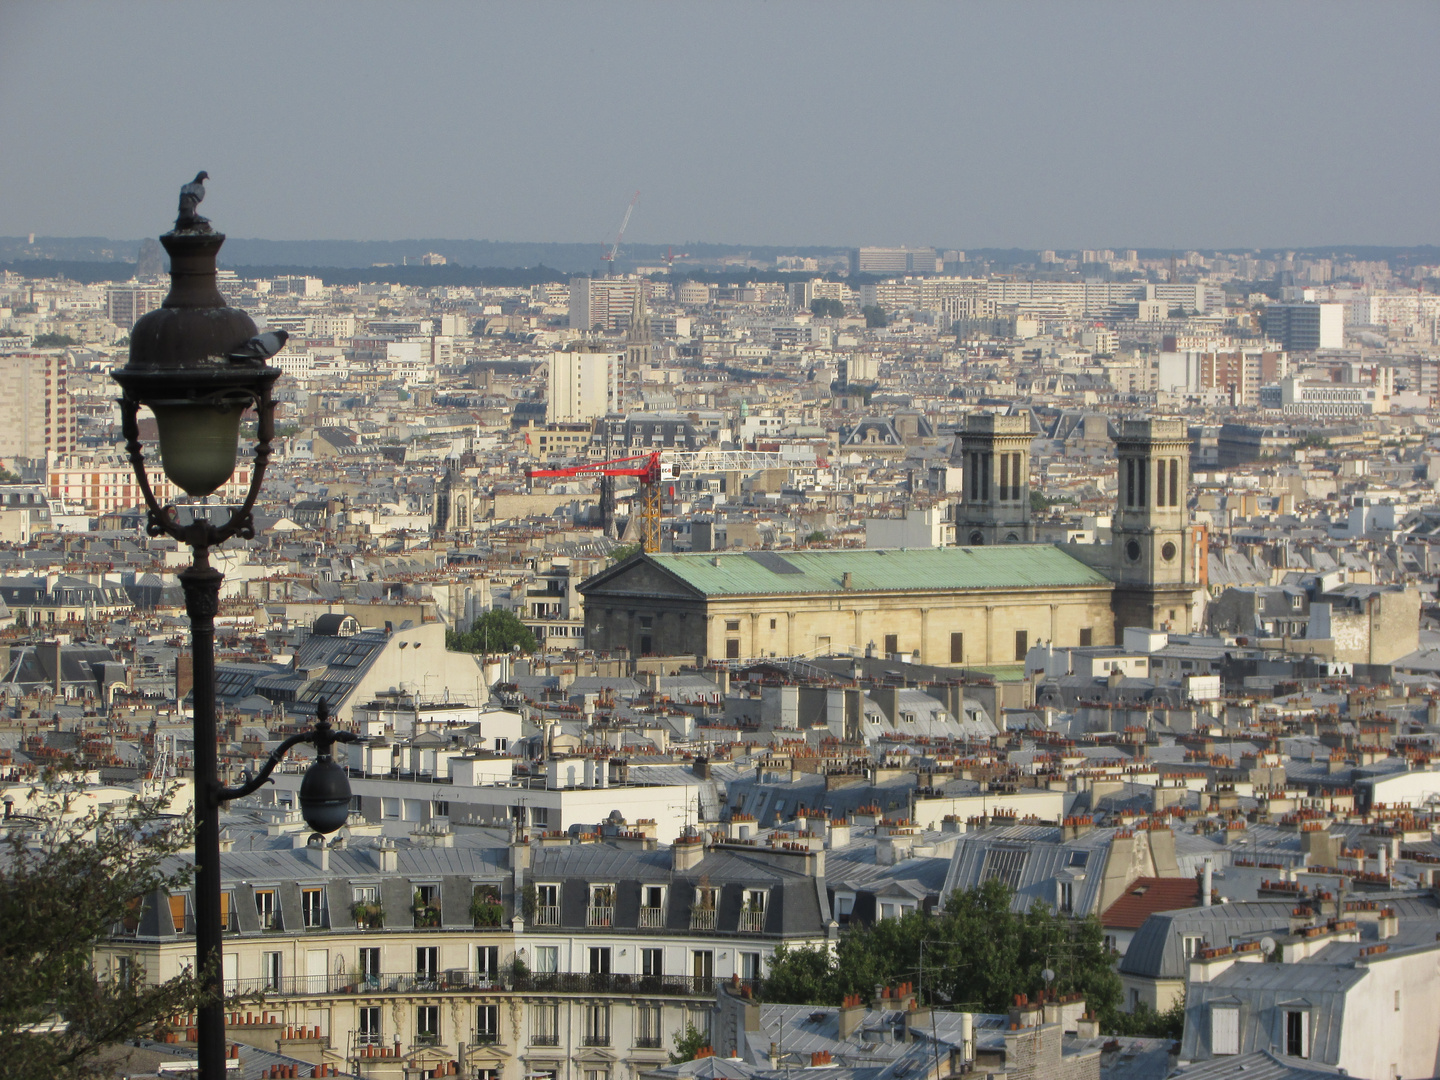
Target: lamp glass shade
<point x="325" y="795"/>
<point x="198" y="443"/>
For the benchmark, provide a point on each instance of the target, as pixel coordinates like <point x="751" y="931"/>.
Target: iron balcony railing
<point x="752" y="922"/>
<point x="652" y="918"/>
<point x="648" y="1042"/>
<point x="702" y="918"/>
<point x="547" y="915"/>
<point x="600" y="916"/>
<point x="545" y="1039"/>
<point x="563" y="982"/>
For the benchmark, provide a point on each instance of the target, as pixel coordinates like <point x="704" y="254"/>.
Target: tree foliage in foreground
<point x="688" y="1043"/>
<point x="978" y="954"/>
<point x="496" y="631"/>
<point x="66" y="879"/>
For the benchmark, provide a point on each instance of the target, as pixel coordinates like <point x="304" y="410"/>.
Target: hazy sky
<point x="956" y="124"/>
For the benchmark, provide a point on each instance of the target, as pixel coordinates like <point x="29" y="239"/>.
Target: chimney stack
<point x="1206" y="884"/>
<point x="387" y="859"/>
<point x="686" y="852"/>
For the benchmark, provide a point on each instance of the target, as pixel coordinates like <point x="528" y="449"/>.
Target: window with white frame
<point x="487" y="1023"/>
<point x="312" y="907"/>
<point x="547" y="959"/>
<point x="369" y="1033"/>
<point x="427" y="1024"/>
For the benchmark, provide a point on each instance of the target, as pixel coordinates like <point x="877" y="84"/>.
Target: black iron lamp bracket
<point x="322" y="736"/>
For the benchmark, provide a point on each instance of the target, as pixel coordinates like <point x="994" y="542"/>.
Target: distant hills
<point x="492" y="262"/>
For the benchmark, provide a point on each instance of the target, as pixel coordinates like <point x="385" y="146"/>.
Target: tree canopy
<point x="874" y="316"/>
<point x="977" y="955"/>
<point x="66" y="880"/>
<point x="496" y="631"/>
<point x="823" y="308"/>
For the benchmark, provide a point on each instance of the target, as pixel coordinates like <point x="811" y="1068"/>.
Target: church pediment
<point x="637" y="577"/>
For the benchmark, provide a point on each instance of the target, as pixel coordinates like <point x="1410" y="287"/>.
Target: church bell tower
<point x="994" y="507"/>
<point x="1156" y="561"/>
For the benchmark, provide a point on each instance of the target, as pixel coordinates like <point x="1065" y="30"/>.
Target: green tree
<point x="496" y="631"/>
<point x="1146" y="1023"/>
<point x="623" y="552"/>
<point x="816" y="537"/>
<point x="827" y="308"/>
<point x="54" y="341"/>
<point x="874" y="316"/>
<point x="688" y="1043"/>
<point x="976" y="954"/>
<point x="804" y="975"/>
<point x="68" y="878"/>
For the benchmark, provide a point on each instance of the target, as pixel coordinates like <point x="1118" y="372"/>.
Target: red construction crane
<point x="661" y="467"/>
<point x="648" y="473"/>
<point x="609" y="257"/>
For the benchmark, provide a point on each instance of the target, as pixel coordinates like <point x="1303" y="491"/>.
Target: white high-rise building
<point x="603" y="302"/>
<point x="585" y="384"/>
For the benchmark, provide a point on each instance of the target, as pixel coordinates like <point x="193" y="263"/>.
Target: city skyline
<point x="1032" y="126"/>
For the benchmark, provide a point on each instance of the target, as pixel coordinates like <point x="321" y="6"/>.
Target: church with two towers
<point x="983" y="602"/>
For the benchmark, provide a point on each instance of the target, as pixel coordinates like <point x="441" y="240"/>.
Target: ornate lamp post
<point x="198" y="365"/>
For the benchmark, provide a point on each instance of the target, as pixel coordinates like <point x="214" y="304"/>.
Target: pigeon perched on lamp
<point x="191" y="196"/>
<point x="260" y="347"/>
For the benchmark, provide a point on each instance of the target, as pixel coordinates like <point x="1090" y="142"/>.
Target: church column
<point x="924" y="634"/>
<point x="1054" y="622"/>
<point x="989" y="618"/>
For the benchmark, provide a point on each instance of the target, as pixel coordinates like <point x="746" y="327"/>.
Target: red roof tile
<point x="1147" y="895"/>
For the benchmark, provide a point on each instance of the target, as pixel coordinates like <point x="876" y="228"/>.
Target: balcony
<point x="485" y="1038"/>
<point x="545" y="1039"/>
<point x="648" y="1042"/>
<point x="427" y="1038"/>
<point x="652" y="918"/>
<point x="702" y="918"/>
<point x="600" y="916"/>
<point x="578" y="982"/>
<point x="547" y="915"/>
<point x="752" y="922"/>
<point x="596" y="1039"/>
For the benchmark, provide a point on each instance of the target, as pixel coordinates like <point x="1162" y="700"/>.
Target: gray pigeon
<point x="191" y="196"/>
<point x="260" y="347"/>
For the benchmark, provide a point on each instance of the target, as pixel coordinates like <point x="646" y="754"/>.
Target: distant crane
<point x="609" y="256"/>
<point x="670" y="257"/>
<point x="652" y="472"/>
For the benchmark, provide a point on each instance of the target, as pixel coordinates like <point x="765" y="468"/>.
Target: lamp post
<point x="198" y="365"/>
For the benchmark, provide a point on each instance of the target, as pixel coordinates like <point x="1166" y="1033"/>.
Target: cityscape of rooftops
<point x="720" y="541"/>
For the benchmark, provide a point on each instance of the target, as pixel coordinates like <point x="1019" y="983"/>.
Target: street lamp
<point x="198" y="365"/>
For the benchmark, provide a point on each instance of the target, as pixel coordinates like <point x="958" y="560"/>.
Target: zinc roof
<point x="1005" y="566"/>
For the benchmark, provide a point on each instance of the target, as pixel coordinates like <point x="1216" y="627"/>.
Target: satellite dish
<point x="1048" y="975"/>
<point x="1267" y="943"/>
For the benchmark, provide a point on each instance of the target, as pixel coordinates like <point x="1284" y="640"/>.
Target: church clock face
<point x="1168" y="552"/>
<point x="1132" y="550"/>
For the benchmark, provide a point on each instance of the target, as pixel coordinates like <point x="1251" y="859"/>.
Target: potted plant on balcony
<point x="368" y="915"/>
<point x="426" y="913"/>
<point x="486" y="910"/>
<point x="529" y="903"/>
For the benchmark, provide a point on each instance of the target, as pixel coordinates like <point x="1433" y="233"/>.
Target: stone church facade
<point x="980" y="604"/>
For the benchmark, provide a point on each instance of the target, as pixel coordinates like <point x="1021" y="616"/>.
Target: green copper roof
<point x="1005" y="566"/>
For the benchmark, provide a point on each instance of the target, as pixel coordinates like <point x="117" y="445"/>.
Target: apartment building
<point x="607" y="303"/>
<point x="543" y="958"/>
<point x="126" y="303"/>
<point x="585" y="384"/>
<point x="37" y="417"/>
<point x="100" y="483"/>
